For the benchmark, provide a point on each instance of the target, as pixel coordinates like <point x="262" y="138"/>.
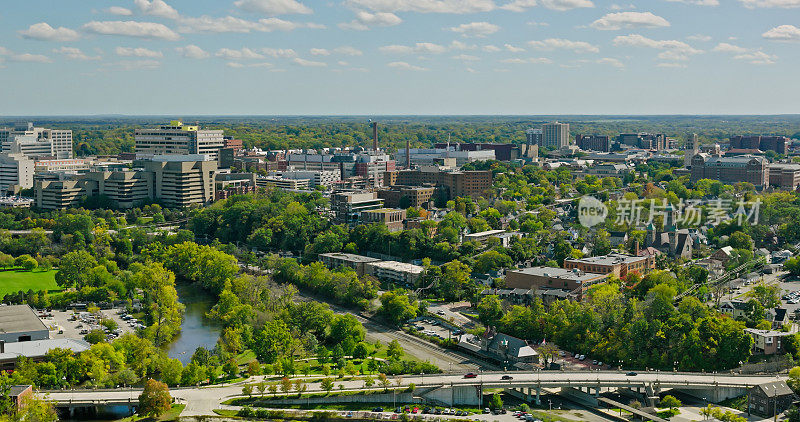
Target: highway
<point x="203" y="400"/>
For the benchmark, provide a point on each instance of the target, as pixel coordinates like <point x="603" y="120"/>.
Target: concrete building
<point x="745" y="168"/>
<point x="392" y="218"/>
<point x="431" y="156"/>
<point x="37" y="141"/>
<point x="36" y="350"/>
<point x="784" y="176"/>
<point x="58" y="194"/>
<point x="692" y="148"/>
<point x="643" y="140"/>
<point x="407" y="196"/>
<point x="615" y="263"/>
<point x="348" y="206"/>
<point x="229" y="184"/>
<point x="181" y="181"/>
<point x="452" y="183"/>
<point x="600" y="143"/>
<point x="16" y="172"/>
<point x="502" y="152"/>
<point x="533" y="136"/>
<point x="357" y="262"/>
<point x="540" y="278"/>
<point x="609" y="169"/>
<point x="502" y="236"/>
<point x="18" y="323"/>
<point x="281" y="183"/>
<point x="368" y="165"/>
<point x="324" y="178"/>
<point x="74" y="165"/>
<point x="555" y="135"/>
<point x="177" y="138"/>
<point x="394" y="271"/>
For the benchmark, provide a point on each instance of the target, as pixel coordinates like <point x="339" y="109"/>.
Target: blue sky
<point x="181" y="57"/>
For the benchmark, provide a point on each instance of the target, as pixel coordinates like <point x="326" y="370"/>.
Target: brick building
<point x="745" y="168"/>
<point x="778" y="144"/>
<point x="593" y="143"/>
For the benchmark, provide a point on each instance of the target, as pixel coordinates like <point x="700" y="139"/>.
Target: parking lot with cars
<point x="75" y="325"/>
<point x="433" y="328"/>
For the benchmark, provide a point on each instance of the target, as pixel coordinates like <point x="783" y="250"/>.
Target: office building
<point x="784" y="176"/>
<point x="229" y="184"/>
<point x="58" y="194"/>
<point x="643" y="140"/>
<point x="348" y="206"/>
<point x="593" y="143"/>
<point x="75" y="165"/>
<point x="181" y="181"/>
<point x="177" y="138"/>
<point x="16" y="172"/>
<point x="451" y="183"/>
<point x="745" y="168"/>
<point x="366" y="165"/>
<point x="407" y="196"/>
<point x="533" y="137"/>
<point x="555" y="135"/>
<point x="337" y="259"/>
<point x="394" y="271"/>
<point x="615" y="263"/>
<point x="502" y="152"/>
<point x="392" y="218"/>
<point x="18" y="323"/>
<point x="281" y="183"/>
<point x="539" y="278"/>
<point x="778" y="144"/>
<point x="323" y="178"/>
<point x="451" y="156"/>
<point x="36" y="142"/>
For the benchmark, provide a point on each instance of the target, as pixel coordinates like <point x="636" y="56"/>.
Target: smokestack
<point x="375" y="136"/>
<point x="408" y="153"/>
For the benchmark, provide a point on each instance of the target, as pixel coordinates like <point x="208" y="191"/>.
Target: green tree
<point x="326" y="384"/>
<point x="495" y="403"/>
<point x="155" y="399"/>
<point x="395" y="351"/>
<point x="490" y="310"/>
<point x="670" y="402"/>
<point x="396" y="307"/>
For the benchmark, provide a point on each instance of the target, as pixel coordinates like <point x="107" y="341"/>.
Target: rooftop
<point x="398" y="266"/>
<point x="19" y="318"/>
<point x="39" y="348"/>
<point x="610" y="259"/>
<point x="349" y="257"/>
<point x="559" y="273"/>
<point x="486" y="233"/>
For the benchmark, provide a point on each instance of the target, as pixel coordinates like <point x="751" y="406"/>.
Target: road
<point x="203" y="400"/>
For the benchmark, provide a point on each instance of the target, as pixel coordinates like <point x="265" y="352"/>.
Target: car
<point x="506" y="377"/>
<point x="529" y="418"/>
<point x="398" y="410"/>
<point x="426" y="410"/>
<point x="440" y="312"/>
<point x="377" y="409"/>
<point x="437" y="411"/>
<point x="582" y="358"/>
<point x="415" y="410"/>
<point x="394" y="416"/>
<point x="562" y="353"/>
<point x="631" y="374"/>
<point x="470" y="375"/>
<point x="486" y="411"/>
<point x="594" y="362"/>
<point x="600" y="363"/>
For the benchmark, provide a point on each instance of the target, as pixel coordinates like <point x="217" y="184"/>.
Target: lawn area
<point x="171" y="415"/>
<point x="14" y="281"/>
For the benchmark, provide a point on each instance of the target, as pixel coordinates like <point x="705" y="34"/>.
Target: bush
<point x="246" y="412"/>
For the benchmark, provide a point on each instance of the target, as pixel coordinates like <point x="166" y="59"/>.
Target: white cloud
<point x="119" y="11"/>
<point x="616" y="21"/>
<point x="724" y="47"/>
<point x="458" y="45"/>
<point x="699" y="37"/>
<point x="347" y="50"/>
<point x="237" y="65"/>
<point x="30" y="58"/>
<point x="491" y="48"/>
<point x="138" y="52"/>
<point x="364" y="20"/>
<point x="148" y="30"/>
<point x="279" y="53"/>
<point x="192" y="52"/>
<point x="635" y="40"/>
<point x="519" y="5"/>
<point x="406" y="66"/>
<point x="273" y="7"/>
<point x="156" y="8"/>
<point x="611" y="62"/>
<point x="673" y="56"/>
<point x="532" y="60"/>
<point x="621" y="7"/>
<point x="43" y="32"/>
<point x="785" y="4"/>
<point x="513" y="49"/>
<point x="562" y="44"/>
<point x="698" y="2"/>
<point x="757" y="57"/>
<point x="319" y="52"/>
<point x="563" y="5"/>
<point x="428" y="6"/>
<point x="467" y="57"/>
<point x="672" y="65"/>
<point x="308" y="63"/>
<point x="4" y="51"/>
<point x="418" y="48"/>
<point x="476" y="29"/>
<point x="243" y="54"/>
<point x="783" y="33"/>
<point x="233" y="24"/>
<point x="535" y="23"/>
<point x="470" y="70"/>
<point x="73" y="53"/>
<point x="131" y="65"/>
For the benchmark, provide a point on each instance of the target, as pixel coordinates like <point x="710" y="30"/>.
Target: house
<point x="723" y="254"/>
<point x="501" y="348"/>
<point x="617" y="238"/>
<point x="767" y="342"/>
<point x="673" y="242"/>
<point x="18" y="394"/>
<point x="770" y="399"/>
<point x="736" y="309"/>
<point x="778" y="317"/>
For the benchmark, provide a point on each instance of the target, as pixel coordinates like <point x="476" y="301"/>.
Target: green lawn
<point x="14" y="281"/>
<point x="171" y="415"/>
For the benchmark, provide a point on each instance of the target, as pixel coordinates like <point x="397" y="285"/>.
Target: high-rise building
<point x="764" y="143"/>
<point x="36" y="142"/>
<point x="593" y="143"/>
<point x="177" y="138"/>
<point x="692" y="148"/>
<point x="16" y="171"/>
<point x="533" y="137"/>
<point x="555" y="135"/>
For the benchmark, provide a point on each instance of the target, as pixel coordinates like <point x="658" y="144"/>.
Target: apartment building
<point x="406" y="196"/>
<point x="593" y="143"/>
<point x="745" y="168"/>
<point x="337" y="259"/>
<point x="36" y="142"/>
<point x="392" y="218"/>
<point x="536" y="278"/>
<point x="767" y="342"/>
<point x="778" y="144"/>
<point x="615" y="263"/>
<point x="16" y="172"/>
<point x="784" y="176"/>
<point x="348" y="206"/>
<point x="398" y="272"/>
<point x="454" y="183"/>
<point x="177" y="138"/>
<point x="555" y="135"/>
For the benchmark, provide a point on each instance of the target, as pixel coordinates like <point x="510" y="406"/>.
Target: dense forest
<point x="105" y="135"/>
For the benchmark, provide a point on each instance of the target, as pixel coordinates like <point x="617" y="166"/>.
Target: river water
<point x="196" y="330"/>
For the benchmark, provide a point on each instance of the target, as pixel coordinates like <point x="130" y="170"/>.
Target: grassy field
<point x="14" y="281"/>
<point x="171" y="415"/>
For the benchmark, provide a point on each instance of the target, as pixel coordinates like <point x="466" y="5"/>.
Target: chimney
<point x="636" y="248"/>
<point x="375" y="136"/>
<point x="408" y="153"/>
<point x="2" y="346"/>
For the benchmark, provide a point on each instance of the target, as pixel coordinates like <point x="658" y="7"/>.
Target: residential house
<point x="770" y="399"/>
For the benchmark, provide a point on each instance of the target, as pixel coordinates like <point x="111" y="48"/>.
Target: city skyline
<point x="399" y="57"/>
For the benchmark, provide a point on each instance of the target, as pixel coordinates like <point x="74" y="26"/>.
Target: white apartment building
<point x="70" y="165"/>
<point x="324" y="178"/>
<point x="177" y="138"/>
<point x="16" y="170"/>
<point x="555" y="135"/>
<point x="36" y="141"/>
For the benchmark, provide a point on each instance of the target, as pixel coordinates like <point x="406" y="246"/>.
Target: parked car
<point x="486" y="411"/>
<point x="582" y="357"/>
<point x="377" y="409"/>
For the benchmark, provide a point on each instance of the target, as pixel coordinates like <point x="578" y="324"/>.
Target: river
<point x="196" y="330"/>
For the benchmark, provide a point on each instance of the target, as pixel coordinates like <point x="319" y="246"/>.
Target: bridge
<point x="455" y="389"/>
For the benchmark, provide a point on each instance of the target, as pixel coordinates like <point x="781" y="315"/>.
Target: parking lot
<point x="66" y="324"/>
<point x="431" y="327"/>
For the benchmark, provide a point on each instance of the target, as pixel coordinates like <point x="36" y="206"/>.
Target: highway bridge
<point x="456" y="389"/>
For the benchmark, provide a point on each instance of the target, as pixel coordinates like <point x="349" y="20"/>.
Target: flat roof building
<point x="339" y="259"/>
<point x="399" y="272"/>
<point x="18" y="323"/>
<point x="553" y="278"/>
<point x="179" y="139"/>
<point x="615" y="263"/>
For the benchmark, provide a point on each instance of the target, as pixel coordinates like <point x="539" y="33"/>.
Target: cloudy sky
<point x="182" y="57"/>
